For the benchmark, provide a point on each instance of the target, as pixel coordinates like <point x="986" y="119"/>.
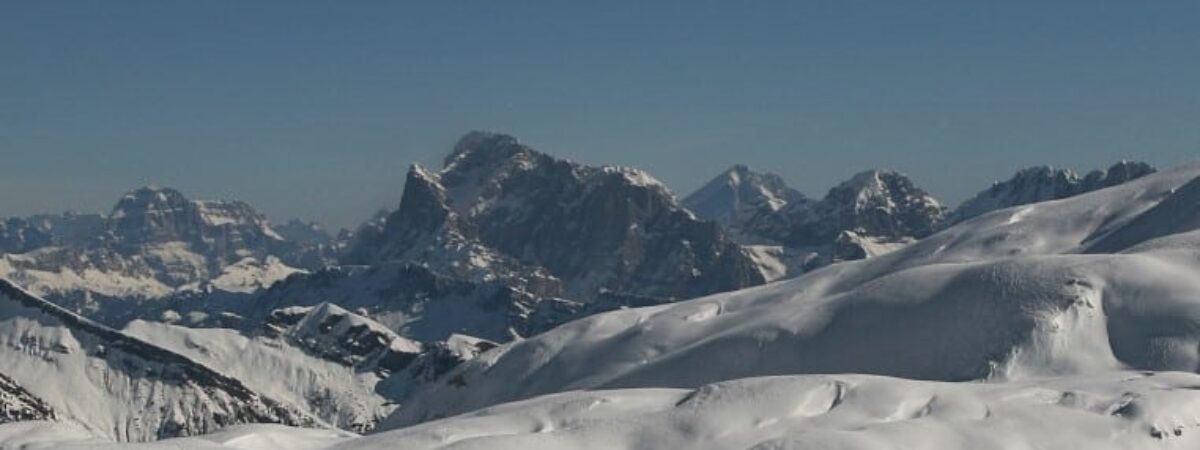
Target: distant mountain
<point x="154" y="243"/>
<point x="23" y="234"/>
<point x="874" y="212"/>
<point x="505" y="241"/>
<point x="739" y="194"/>
<point x="500" y="210"/>
<point x="1042" y="183"/>
<point x="116" y="385"/>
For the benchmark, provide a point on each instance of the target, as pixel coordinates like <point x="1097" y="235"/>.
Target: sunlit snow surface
<point x="1111" y="411"/>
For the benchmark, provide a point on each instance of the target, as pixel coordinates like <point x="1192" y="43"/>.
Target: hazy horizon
<point x="312" y="111"/>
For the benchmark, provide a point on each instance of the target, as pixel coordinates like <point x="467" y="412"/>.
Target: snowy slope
<point x="1007" y="295"/>
<point x="64" y="436"/>
<point x="1111" y="411"/>
<point x="331" y="391"/>
<point x="1119" y="410"/>
<point x="116" y="386"/>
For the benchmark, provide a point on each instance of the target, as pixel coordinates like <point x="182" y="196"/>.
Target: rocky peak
<point x="500" y="204"/>
<point x="331" y="332"/>
<point x="1120" y="172"/>
<point x="877" y="203"/>
<point x="303" y="232"/>
<point x="1043" y="183"/>
<point x="738" y="193"/>
<point x="227" y="230"/>
<point x="480" y="149"/>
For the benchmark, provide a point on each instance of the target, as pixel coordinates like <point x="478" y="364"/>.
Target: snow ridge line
<point x="194" y="370"/>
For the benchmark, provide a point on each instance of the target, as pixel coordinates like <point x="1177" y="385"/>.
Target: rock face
<point x="334" y="334"/>
<point x="117" y="385"/>
<point x="874" y="212"/>
<point x="1042" y="183"/>
<point x="154" y="243"/>
<point x="17" y="404"/>
<point x="595" y="229"/>
<point x="23" y="234"/>
<point x="499" y="210"/>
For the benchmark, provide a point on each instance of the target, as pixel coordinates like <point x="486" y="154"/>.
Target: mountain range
<point x="507" y="279"/>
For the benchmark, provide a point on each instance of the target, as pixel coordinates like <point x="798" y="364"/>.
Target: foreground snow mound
<point x="1114" y="410"/>
<point x="62" y="436"/>
<point x="1008" y="295"/>
<point x="116" y="386"/>
<point x="1117" y="410"/>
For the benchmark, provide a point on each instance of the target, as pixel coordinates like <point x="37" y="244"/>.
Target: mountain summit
<point x="506" y="209"/>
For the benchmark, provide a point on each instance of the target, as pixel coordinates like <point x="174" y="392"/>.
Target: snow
<point x="986" y="299"/>
<point x="1119" y="410"/>
<point x="249" y="275"/>
<point x="67" y="280"/>
<point x="115" y="386"/>
<point x="770" y="260"/>
<point x="64" y="436"/>
<point x="328" y="390"/>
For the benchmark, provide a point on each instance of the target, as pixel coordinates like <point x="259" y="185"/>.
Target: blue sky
<point x="315" y="109"/>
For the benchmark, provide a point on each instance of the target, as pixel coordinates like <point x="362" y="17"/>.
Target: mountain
<point x="20" y="235"/>
<point x="738" y="194"/>
<point x="1091" y="284"/>
<point x="1042" y="183"/>
<point x="500" y="210"/>
<point x="506" y="241"/>
<point x="117" y="386"/>
<point x="331" y="363"/>
<point x="155" y="243"/>
<point x="872" y="213"/>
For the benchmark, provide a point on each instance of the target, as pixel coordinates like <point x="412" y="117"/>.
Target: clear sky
<point x="315" y="109"/>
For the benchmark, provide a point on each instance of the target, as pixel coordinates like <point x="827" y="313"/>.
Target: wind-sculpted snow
<point x="1117" y="410"/>
<point x="63" y="436"/>
<point x="117" y="386"/>
<point x="1008" y="295"/>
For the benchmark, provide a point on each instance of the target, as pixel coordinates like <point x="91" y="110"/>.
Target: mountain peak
<point x="481" y="147"/>
<point x="1042" y="183"/>
<point x="880" y="187"/>
<point x="739" y="193"/>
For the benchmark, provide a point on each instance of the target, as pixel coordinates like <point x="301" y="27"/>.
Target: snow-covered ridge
<point x="116" y="385"/>
<point x="1038" y="184"/>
